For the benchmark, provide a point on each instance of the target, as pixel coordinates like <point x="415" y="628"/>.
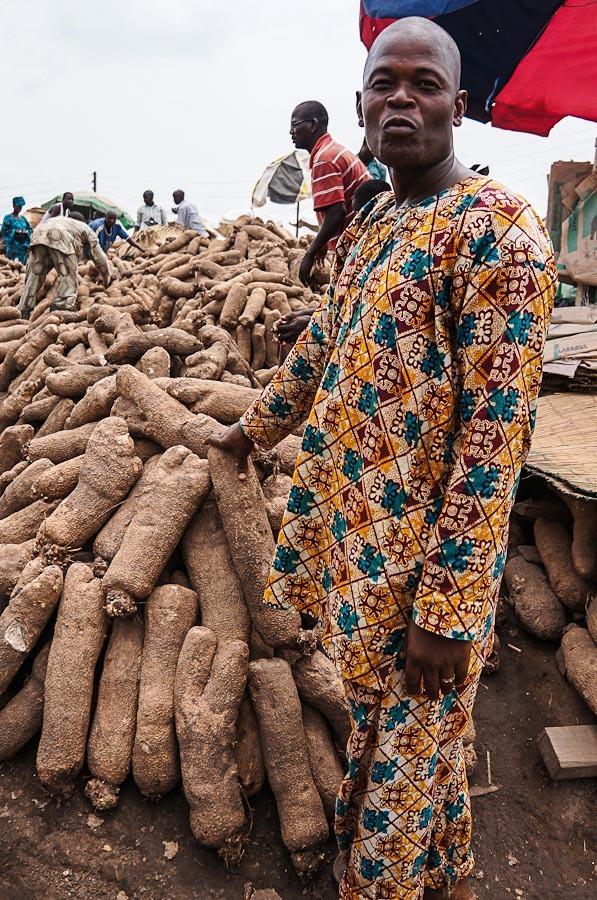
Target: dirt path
<point x="533" y="836"/>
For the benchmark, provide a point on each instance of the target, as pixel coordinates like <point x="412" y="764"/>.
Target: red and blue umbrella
<point x="526" y="64"/>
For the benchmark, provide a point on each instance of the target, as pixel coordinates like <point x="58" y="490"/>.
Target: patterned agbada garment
<point x="419" y="375"/>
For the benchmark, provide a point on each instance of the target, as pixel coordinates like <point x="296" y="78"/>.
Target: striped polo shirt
<point x="335" y="175"/>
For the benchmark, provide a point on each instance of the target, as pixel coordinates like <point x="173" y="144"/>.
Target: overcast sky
<point x="198" y="95"/>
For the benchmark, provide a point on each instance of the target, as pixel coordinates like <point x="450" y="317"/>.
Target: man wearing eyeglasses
<point x="335" y="175"/>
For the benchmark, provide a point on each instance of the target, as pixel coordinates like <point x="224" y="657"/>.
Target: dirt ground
<point x="534" y="839"/>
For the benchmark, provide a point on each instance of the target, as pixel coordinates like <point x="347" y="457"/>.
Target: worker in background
<point x="376" y="169"/>
<point x="64" y="208"/>
<point x="187" y="215"/>
<point x="108" y="229"/>
<point x="59" y="244"/>
<point x="16" y="232"/>
<point x="335" y="175"/>
<point x="150" y="213"/>
<point x="288" y="327"/>
<point x="418" y="378"/>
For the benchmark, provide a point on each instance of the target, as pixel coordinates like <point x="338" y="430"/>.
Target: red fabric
<point x="557" y="77"/>
<point x="335" y="175"/>
<point x="370" y="27"/>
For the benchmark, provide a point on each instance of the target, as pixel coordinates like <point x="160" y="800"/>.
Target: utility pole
<point x="94" y="181"/>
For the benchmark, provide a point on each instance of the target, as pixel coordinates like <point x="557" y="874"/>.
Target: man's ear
<point x="460" y="108"/>
<point x="360" y="119"/>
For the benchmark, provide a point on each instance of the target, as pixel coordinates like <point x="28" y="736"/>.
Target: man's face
<point x="177" y="197"/>
<point x="410" y="102"/>
<point x="148" y="198"/>
<point x="67" y="201"/>
<point x="301" y="130"/>
<point x="110" y="220"/>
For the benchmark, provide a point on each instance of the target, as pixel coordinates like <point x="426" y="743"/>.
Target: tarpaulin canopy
<point x="526" y="64"/>
<point x="88" y="203"/>
<point x="285" y="180"/>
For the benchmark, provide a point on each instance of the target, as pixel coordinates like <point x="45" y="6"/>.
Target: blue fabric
<point x="18" y="201"/>
<point x="16" y="232"/>
<point x="399" y="9"/>
<point x="106" y="240"/>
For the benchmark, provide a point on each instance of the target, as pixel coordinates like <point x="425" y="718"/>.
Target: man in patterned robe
<point x="419" y="375"/>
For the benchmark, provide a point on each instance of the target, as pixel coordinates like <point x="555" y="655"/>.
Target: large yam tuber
<point x="242" y="509"/>
<point x="539" y="610"/>
<point x="323" y="758"/>
<point x="108" y="540"/>
<point x="19" y="493"/>
<point x="170" y="612"/>
<point x="73" y="382"/>
<point x="233" y="306"/>
<point x="13" y="559"/>
<point x="21" y="718"/>
<point x="108" y="471"/>
<point x="96" y="404"/>
<point x="205" y="551"/>
<point x="59" y="480"/>
<point x="38" y="410"/>
<point x="110" y="745"/>
<point x="182" y="483"/>
<point x="319" y="684"/>
<point x="206" y="713"/>
<point x="13" y="441"/>
<point x="302" y="818"/>
<point x="60" y="446"/>
<point x="155" y="363"/>
<point x="56" y="421"/>
<point x="584" y="542"/>
<point x="247" y="750"/>
<point x="13" y="405"/>
<point x="78" y="640"/>
<point x="153" y="414"/>
<point x="24" y="524"/>
<point x="131" y="347"/>
<point x="28" y="612"/>
<point x="580" y="660"/>
<point x="554" y="544"/>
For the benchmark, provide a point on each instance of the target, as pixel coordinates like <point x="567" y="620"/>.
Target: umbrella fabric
<point x="88" y="202"/>
<point x="525" y="63"/>
<point x="285" y="180"/>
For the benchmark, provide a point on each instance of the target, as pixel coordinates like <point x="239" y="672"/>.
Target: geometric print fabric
<point x="419" y="375"/>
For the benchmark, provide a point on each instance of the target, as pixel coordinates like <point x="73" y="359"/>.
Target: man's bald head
<point x="411" y="98"/>
<point x="422" y="33"/>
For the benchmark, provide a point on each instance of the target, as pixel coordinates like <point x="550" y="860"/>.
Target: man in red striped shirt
<point x="335" y="175"/>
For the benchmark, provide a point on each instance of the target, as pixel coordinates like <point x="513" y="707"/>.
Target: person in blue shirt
<point x="16" y="232"/>
<point x="108" y="229"/>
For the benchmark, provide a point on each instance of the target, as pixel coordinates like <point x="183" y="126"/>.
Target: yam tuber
<point x="205" y="550"/>
<point x="21" y="718"/>
<point x="108" y="471"/>
<point x="110" y="746"/>
<point x="28" y="612"/>
<point x="170" y="612"/>
<point x="242" y="509"/>
<point x="247" y="750"/>
<point x="182" y="483"/>
<point x="206" y="704"/>
<point x="320" y="686"/>
<point x="302" y="818"/>
<point x="580" y="659"/>
<point x="19" y="493"/>
<point x="554" y="544"/>
<point x="539" y="610"/>
<point x="13" y="559"/>
<point x="62" y="445"/>
<point x="323" y="759"/>
<point x="78" y="640"/>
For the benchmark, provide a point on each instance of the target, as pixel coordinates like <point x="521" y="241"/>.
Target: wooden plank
<point x="569" y="751"/>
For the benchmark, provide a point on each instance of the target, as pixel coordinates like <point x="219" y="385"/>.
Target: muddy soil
<point x="534" y="839"/>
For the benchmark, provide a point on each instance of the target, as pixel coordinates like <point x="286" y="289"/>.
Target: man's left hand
<point x="435" y="664"/>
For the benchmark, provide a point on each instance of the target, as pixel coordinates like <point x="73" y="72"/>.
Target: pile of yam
<point x="133" y="638"/>
<point x="550" y="578"/>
